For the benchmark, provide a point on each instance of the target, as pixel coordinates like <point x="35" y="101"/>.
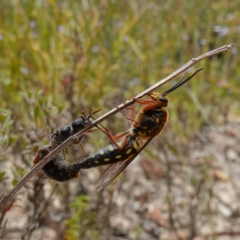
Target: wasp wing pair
<point x="115" y="169"/>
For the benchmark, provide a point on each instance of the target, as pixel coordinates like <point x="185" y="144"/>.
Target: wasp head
<point x="159" y="98"/>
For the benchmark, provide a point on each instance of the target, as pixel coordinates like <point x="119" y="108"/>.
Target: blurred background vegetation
<point x="60" y="57"/>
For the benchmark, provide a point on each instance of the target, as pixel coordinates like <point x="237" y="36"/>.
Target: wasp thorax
<point x="64" y="131"/>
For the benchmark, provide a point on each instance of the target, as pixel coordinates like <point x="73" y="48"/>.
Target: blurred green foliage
<point x="82" y="222"/>
<point x="6" y="139"/>
<point x="82" y="54"/>
<point x="59" y="57"/>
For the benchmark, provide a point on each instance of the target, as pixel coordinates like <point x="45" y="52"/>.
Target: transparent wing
<point x="112" y="172"/>
<point x="115" y="169"/>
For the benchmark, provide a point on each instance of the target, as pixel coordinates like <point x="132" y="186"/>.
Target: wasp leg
<point x="90" y="115"/>
<point x="131" y="115"/>
<point x="123" y="135"/>
<point x="105" y="130"/>
<point x="81" y="146"/>
<point x="150" y="104"/>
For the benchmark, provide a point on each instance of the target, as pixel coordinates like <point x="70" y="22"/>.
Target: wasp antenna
<point x="180" y="83"/>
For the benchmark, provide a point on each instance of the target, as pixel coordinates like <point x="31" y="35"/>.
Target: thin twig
<point x="9" y="195"/>
<point x="3" y="229"/>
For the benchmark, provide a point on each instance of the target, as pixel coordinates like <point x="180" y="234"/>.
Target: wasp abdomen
<point x="57" y="169"/>
<point x="109" y="155"/>
<point x="60" y="170"/>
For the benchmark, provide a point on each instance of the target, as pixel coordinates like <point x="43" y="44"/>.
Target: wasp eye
<point x="163" y="99"/>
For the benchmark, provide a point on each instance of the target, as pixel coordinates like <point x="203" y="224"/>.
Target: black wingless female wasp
<point x="148" y="124"/>
<point x="65" y="132"/>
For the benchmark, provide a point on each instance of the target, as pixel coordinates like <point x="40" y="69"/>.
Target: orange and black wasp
<point x="149" y="123"/>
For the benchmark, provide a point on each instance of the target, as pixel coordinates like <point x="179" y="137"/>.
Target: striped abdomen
<point x="110" y="154"/>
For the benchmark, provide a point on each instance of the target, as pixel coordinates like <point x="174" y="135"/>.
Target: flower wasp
<point x="151" y="117"/>
<point x="65" y="132"/>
